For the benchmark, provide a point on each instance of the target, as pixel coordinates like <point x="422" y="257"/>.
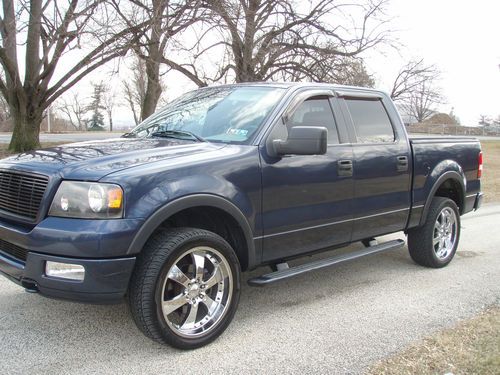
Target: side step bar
<point x="316" y="265"/>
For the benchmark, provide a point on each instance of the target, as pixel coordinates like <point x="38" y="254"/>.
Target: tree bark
<point x="153" y="89"/>
<point x="110" y="119"/>
<point x="49" y="31"/>
<point x="25" y="136"/>
<point x="153" y="85"/>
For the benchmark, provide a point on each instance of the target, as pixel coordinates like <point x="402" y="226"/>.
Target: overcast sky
<point x="462" y="38"/>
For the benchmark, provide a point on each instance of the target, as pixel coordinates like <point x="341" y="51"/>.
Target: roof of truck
<point x="289" y="85"/>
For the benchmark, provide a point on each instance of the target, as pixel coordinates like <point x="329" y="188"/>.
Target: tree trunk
<point x="25" y="136"/>
<point x="110" y="119"/>
<point x="153" y="89"/>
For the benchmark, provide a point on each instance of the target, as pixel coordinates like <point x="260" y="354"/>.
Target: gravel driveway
<point x="338" y="320"/>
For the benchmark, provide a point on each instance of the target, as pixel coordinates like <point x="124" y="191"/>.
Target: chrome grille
<point x="21" y="193"/>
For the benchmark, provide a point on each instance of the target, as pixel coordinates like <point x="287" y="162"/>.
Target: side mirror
<point x="302" y="140"/>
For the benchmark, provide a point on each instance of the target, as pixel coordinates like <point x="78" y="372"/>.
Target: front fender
<point x="190" y="201"/>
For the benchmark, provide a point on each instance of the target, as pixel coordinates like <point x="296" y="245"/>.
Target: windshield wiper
<point x="176" y="134"/>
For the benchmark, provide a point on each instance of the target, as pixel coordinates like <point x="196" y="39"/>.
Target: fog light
<point x="66" y="271"/>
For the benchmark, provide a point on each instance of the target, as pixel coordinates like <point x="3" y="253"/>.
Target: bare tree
<point x="496" y="122"/>
<point x="271" y="39"/>
<point x="4" y="109"/>
<point x="340" y="70"/>
<point x="133" y="100"/>
<point x="421" y="102"/>
<point x="165" y="20"/>
<point x="484" y="120"/>
<point x="135" y="86"/>
<point x="411" y="77"/>
<point x="50" y="29"/>
<point x="73" y="107"/>
<point x="415" y="90"/>
<point x="109" y="101"/>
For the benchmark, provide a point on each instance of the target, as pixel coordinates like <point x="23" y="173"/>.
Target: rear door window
<point x="371" y="121"/>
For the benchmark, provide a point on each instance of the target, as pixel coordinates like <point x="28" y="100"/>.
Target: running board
<point x="316" y="265"/>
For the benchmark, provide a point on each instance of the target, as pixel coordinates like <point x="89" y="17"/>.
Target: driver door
<point x="306" y="199"/>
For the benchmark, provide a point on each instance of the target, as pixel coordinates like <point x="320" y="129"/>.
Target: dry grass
<point x="491" y="173"/>
<point x="471" y="347"/>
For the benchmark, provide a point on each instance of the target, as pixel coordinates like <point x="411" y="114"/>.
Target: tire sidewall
<point x="432" y="220"/>
<point x="219" y="244"/>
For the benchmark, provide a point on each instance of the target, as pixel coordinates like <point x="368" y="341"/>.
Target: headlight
<point x="88" y="200"/>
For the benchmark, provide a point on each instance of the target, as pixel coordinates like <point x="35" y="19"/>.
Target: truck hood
<point x="95" y="159"/>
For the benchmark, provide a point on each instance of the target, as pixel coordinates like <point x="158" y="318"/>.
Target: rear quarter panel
<point x="433" y="157"/>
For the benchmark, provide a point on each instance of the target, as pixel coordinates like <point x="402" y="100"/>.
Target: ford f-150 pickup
<point x="223" y="180"/>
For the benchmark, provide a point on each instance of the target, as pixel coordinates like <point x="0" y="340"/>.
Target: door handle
<point x="402" y="163"/>
<point x="344" y="168"/>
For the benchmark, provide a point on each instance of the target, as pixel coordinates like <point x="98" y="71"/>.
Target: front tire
<point x="434" y="244"/>
<point x="185" y="288"/>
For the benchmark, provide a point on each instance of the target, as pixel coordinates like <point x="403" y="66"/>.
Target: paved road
<point x="66" y="137"/>
<point x="76" y="137"/>
<point x="336" y="321"/>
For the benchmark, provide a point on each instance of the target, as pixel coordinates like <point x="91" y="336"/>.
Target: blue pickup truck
<point x="223" y="180"/>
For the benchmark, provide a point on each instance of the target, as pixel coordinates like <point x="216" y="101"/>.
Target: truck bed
<point x="432" y="155"/>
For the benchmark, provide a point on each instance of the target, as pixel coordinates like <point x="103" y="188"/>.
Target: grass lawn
<point x="471" y="347"/>
<point x="491" y="172"/>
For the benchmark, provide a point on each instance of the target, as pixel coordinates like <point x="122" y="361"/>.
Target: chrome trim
<point x="201" y="276"/>
<point x="330" y="224"/>
<point x="358" y="94"/>
<point x="445" y="233"/>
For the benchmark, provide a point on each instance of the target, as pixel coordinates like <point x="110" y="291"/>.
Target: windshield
<point x="230" y="114"/>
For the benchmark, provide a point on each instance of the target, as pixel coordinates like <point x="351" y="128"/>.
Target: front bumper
<point x="106" y="280"/>
<point x="101" y="246"/>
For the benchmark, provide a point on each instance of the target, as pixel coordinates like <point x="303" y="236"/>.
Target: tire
<point x="434" y="244"/>
<point x="185" y="287"/>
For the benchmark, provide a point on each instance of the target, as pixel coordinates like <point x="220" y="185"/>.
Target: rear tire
<point x="434" y="244"/>
<point x="185" y="287"/>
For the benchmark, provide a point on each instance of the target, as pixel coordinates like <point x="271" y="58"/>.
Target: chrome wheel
<point x="445" y="233"/>
<point x="196" y="291"/>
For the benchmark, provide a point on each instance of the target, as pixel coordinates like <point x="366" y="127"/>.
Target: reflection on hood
<point x="95" y="159"/>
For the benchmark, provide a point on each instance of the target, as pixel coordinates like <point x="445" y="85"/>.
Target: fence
<point x="453" y="129"/>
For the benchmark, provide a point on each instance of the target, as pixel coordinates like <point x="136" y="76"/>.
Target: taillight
<point x="480" y="163"/>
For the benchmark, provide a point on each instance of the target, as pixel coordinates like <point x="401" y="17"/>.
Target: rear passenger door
<point x="381" y="168"/>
